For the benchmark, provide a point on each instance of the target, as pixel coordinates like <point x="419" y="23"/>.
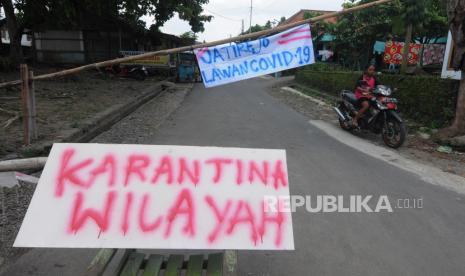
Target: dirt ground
<point x="416" y="148"/>
<point x="14" y="201"/>
<point x="62" y="104"/>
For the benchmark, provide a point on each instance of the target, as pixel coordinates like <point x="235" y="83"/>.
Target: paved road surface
<point x="428" y="241"/>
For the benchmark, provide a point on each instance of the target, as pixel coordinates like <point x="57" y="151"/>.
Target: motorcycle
<point x="136" y="72"/>
<point x="381" y="117"/>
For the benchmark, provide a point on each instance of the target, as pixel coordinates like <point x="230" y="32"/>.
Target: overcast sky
<point x="228" y="15"/>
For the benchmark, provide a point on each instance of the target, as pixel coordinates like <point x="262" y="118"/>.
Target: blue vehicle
<point x="187" y="68"/>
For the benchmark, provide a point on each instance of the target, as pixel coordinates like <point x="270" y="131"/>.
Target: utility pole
<point x="242" y="26"/>
<point x="250" y="28"/>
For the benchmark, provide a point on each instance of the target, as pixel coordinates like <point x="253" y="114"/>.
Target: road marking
<point x="427" y="173"/>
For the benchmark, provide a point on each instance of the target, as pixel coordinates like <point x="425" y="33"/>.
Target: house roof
<point x="300" y="16"/>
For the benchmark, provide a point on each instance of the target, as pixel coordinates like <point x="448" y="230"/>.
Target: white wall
<point x="25" y="40"/>
<point x="60" y="47"/>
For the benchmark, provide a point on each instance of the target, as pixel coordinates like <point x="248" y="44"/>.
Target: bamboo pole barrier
<point x="203" y="45"/>
<point x="36" y="163"/>
<point x="10" y="83"/>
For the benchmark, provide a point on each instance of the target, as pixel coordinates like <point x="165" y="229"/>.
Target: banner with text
<point x="233" y="62"/>
<point x="148" y="196"/>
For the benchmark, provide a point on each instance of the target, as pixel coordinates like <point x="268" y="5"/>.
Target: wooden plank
<point x="25" y="103"/>
<point x="100" y="262"/>
<point x="215" y="264"/>
<point x="132" y="266"/>
<point x="174" y="265"/>
<point x="153" y="266"/>
<point x="32" y="106"/>
<point x="123" y="260"/>
<point x="195" y="265"/>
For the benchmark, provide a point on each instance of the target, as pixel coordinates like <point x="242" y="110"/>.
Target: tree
<point x="355" y="33"/>
<point x="319" y="27"/>
<point x="36" y="14"/>
<point x="413" y="14"/>
<point x="258" y="28"/>
<point x="435" y="24"/>
<point x="15" y="31"/>
<point x="190" y="37"/>
<point x="456" y="16"/>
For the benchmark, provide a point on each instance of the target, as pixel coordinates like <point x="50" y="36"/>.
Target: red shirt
<point x="371" y="83"/>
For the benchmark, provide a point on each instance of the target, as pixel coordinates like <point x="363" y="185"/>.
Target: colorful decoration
<point x="394" y="50"/>
<point x="433" y="53"/>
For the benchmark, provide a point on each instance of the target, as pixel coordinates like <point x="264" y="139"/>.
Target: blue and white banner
<point x="233" y="62"/>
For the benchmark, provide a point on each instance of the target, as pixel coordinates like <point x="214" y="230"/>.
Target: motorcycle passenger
<point x="365" y="84"/>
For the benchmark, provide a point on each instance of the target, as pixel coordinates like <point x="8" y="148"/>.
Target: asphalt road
<point x="427" y="241"/>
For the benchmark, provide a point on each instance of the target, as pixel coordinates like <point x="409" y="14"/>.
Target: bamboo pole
<point x="203" y="45"/>
<point x="10" y="83"/>
<point x="36" y="163"/>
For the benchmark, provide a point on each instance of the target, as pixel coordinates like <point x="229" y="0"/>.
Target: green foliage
<point x="189" y="35"/>
<point x="36" y="14"/>
<point x="258" y="28"/>
<point x="355" y="33"/>
<point x="325" y="66"/>
<point x="319" y="27"/>
<point x="413" y="11"/>
<point x="425" y="99"/>
<point x="435" y="24"/>
<point x="429" y="18"/>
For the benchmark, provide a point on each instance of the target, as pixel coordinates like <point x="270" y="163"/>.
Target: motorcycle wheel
<point x="345" y="125"/>
<point x="394" y="133"/>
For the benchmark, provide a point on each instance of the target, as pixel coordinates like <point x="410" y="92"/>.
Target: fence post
<point x="32" y="107"/>
<point x="25" y="104"/>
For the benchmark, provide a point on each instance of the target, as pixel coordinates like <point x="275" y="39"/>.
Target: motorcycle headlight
<point x="383" y="90"/>
<point x="387" y="92"/>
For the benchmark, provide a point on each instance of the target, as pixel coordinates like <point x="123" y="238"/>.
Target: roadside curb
<point x="102" y="121"/>
<point x="427" y="173"/>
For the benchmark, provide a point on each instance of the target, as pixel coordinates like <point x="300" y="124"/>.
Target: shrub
<point x="425" y="99"/>
<point x="325" y="66"/>
<point x="5" y="64"/>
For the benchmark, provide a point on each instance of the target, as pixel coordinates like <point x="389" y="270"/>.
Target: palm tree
<point x="413" y="14"/>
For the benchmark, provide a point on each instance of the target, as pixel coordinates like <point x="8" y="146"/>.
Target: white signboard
<point x="233" y="62"/>
<point x="447" y="71"/>
<point x="174" y="197"/>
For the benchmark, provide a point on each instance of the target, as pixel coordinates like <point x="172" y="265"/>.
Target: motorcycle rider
<point x="365" y="84"/>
